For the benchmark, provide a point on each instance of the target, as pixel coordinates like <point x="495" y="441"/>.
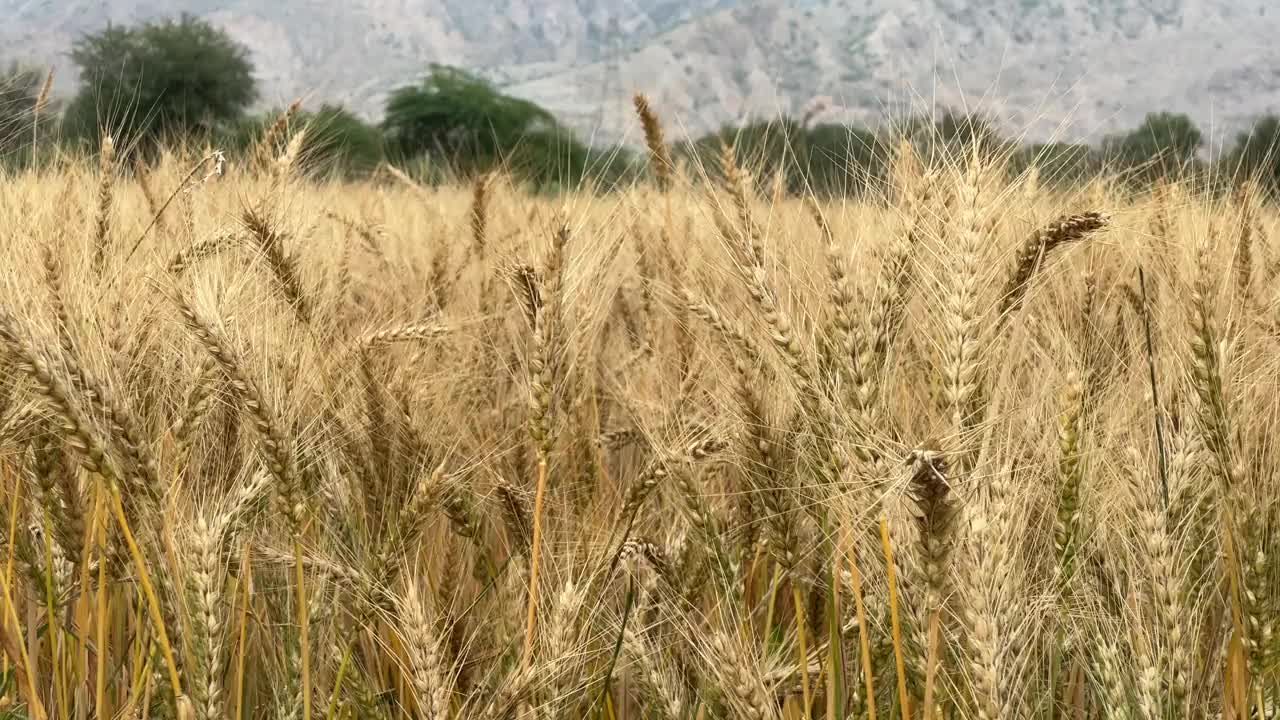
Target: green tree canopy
<point x="336" y="139"/>
<point x="461" y="120"/>
<point x="1057" y="163"/>
<point x="1164" y="144"/>
<point x="765" y="147"/>
<point x="826" y="159"/>
<point x="1256" y="153"/>
<point x="960" y="132"/>
<point x="842" y="160"/>
<point x="952" y="134"/>
<point x="552" y="160"/>
<point x="162" y="79"/>
<point x="339" y="138"/>
<point x="457" y="124"/>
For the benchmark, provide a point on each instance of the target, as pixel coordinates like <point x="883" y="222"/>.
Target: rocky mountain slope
<point x="1046" y="68"/>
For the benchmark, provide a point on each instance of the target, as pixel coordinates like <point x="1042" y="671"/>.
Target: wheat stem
<point x="864" y="634"/>
<point x="802" y="648"/>
<point x="14" y="500"/>
<point x="931" y="666"/>
<point x="243" y="632"/>
<point x="148" y="591"/>
<point x="895" y="620"/>
<point x="303" y="628"/>
<point x="535" y="555"/>
<point x="103" y="600"/>
<point x="11" y="641"/>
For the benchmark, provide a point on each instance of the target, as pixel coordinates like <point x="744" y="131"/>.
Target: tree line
<point x="182" y="80"/>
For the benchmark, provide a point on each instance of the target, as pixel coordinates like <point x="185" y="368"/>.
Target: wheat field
<point x="277" y="446"/>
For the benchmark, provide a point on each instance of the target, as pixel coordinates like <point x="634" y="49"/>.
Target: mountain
<point x="1044" y="68"/>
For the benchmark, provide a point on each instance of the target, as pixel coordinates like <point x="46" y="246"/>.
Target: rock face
<point x="1061" y="69"/>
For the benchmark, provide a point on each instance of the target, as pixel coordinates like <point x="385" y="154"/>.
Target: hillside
<point x="1075" y="68"/>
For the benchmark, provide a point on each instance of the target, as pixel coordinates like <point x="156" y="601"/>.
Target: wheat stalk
<point x="654" y="139"/>
<point x="106" y="185"/>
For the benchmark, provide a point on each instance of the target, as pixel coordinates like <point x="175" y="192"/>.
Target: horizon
<point x="1055" y="103"/>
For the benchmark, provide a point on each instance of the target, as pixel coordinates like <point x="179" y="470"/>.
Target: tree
<point x="1164" y="144"/>
<point x="1256" y="153"/>
<point x="336" y="139"/>
<point x="828" y="159"/>
<point x="554" y="160"/>
<point x="841" y="160"/>
<point x="459" y="119"/>
<point x="766" y="148"/>
<point x="953" y="135"/>
<point x="1057" y="163"/>
<point x="459" y="122"/>
<point x="961" y="132"/>
<point x="162" y="79"/>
